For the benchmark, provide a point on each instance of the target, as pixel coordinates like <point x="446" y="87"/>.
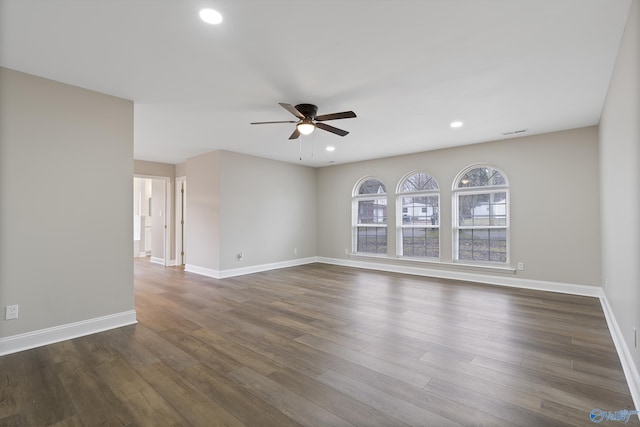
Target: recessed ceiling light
<point x="456" y="124"/>
<point x="331" y="148"/>
<point x="210" y="16"/>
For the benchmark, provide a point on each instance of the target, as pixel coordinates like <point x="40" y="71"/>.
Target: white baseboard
<point x="157" y="260"/>
<point x="223" y="274"/>
<point x="203" y="271"/>
<point x="629" y="368"/>
<point x="506" y="280"/>
<point x="16" y="343"/>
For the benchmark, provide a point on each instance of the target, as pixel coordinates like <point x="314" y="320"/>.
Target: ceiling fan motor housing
<point x="307" y="110"/>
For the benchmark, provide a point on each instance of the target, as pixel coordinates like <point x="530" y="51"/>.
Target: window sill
<point x="437" y="263"/>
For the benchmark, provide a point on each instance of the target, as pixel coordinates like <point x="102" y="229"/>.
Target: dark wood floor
<point x="321" y="345"/>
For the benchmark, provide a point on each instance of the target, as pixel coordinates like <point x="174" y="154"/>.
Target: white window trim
<point x="456" y="192"/>
<point x="354" y="215"/>
<point x="399" y="217"/>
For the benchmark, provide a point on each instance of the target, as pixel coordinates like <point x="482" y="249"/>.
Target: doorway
<point x="150" y="218"/>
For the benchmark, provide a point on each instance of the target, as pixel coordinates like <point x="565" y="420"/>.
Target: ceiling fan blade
<point x="331" y="129"/>
<point x="295" y="134"/>
<point x="267" y="123"/>
<point x="336" y="116"/>
<point x="290" y="108"/>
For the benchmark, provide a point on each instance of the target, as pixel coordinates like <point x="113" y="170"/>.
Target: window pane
<point x="481" y="177"/>
<point x="372" y="186"/>
<point x="483" y="209"/>
<point x="372" y="211"/>
<point x="420" y="210"/>
<point x="372" y="240"/>
<point x="483" y="245"/>
<point x="419" y="182"/>
<point x="421" y="242"/>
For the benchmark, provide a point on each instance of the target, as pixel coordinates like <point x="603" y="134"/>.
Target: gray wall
<point x="142" y="167"/>
<point x="554" y="201"/>
<point x="268" y="209"/>
<point x="202" y="221"/>
<point x="238" y="203"/>
<point x="620" y="171"/>
<point x="67" y="199"/>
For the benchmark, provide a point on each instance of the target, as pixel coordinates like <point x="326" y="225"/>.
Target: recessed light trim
<point x="330" y="148"/>
<point x="211" y="16"/>
<point x="456" y="124"/>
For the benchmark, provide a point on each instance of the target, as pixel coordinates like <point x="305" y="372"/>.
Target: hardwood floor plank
<point x="289" y="403"/>
<point x="397" y="408"/>
<point x="200" y="351"/>
<point x="238" y="353"/>
<point x="192" y="404"/>
<point x="301" y="357"/>
<point x="435" y="403"/>
<point x="583" y="390"/>
<point x="73" y="421"/>
<point x="235" y="398"/>
<point x="93" y="400"/>
<point x="161" y="349"/>
<point x="320" y="344"/>
<point x="31" y="392"/>
<point x="614" y="383"/>
<point x="144" y="403"/>
<point x="380" y="365"/>
<point x="120" y="342"/>
<point x="332" y="400"/>
<point x="510" y="413"/>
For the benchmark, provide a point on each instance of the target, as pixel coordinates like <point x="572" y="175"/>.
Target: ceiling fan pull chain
<point x="300" y="145"/>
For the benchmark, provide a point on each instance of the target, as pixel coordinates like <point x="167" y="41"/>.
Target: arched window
<point x="418" y="216"/>
<point x="481" y="215"/>
<point x="369" y="212"/>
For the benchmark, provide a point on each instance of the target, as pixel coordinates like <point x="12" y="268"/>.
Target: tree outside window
<point x="419" y="223"/>
<point x="370" y="217"/>
<point x="481" y="220"/>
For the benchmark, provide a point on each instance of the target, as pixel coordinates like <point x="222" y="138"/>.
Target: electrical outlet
<point x="12" y="312"/>
<point x="295" y="251"/>
<point x="240" y="256"/>
<point x="346" y="251"/>
<point x="635" y="337"/>
<point x="521" y="266"/>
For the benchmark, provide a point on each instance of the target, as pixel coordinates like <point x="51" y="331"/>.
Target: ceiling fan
<point x="308" y="120"/>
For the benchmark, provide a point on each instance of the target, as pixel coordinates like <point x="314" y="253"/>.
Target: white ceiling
<point x="407" y="68"/>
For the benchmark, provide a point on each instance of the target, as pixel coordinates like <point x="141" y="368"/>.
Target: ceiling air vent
<point x="515" y="132"/>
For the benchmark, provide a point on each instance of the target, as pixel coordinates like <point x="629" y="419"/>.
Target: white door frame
<point x="181" y="206"/>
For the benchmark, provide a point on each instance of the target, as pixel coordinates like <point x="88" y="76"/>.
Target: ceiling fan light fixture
<point x="305" y="126"/>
